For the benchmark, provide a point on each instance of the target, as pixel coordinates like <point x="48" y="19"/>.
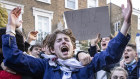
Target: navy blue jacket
<point x="20" y="42"/>
<point x="16" y="60"/>
<point x="135" y="74"/>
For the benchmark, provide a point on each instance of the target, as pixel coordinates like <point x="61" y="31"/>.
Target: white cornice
<point x="42" y="12"/>
<point x="10" y="5"/>
<point x="49" y="1"/>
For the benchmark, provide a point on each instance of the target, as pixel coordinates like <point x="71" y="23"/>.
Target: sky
<point x="136" y="3"/>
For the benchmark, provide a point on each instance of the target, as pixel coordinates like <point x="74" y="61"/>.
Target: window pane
<point x="139" y="22"/>
<point x="43" y="27"/>
<point x="46" y="0"/>
<point x="116" y="26"/>
<point x="71" y="4"/>
<point x="91" y="3"/>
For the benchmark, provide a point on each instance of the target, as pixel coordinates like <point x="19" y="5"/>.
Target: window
<point x="92" y="3"/>
<point x="42" y="22"/>
<point x="139" y="22"/>
<point x="10" y="6"/>
<point x="45" y="1"/>
<point x="43" y="27"/>
<point x="71" y="4"/>
<point x="116" y="26"/>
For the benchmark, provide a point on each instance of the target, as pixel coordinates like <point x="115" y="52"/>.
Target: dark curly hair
<point x="53" y="36"/>
<point x="45" y="41"/>
<point x="36" y="45"/>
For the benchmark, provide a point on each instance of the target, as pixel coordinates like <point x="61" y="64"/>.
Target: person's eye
<point x="67" y="39"/>
<point x="129" y="50"/>
<point x="36" y="48"/>
<point x="122" y="77"/>
<point x="106" y="39"/>
<point x="115" y="77"/>
<point x="58" y="40"/>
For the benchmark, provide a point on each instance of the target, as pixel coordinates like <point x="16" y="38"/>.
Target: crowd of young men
<point x="60" y="63"/>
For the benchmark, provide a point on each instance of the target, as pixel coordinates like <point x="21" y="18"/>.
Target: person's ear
<point x="136" y="55"/>
<point x="52" y="50"/>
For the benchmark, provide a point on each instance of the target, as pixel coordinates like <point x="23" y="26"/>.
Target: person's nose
<point x="63" y="41"/>
<point x="125" y="52"/>
<point x="39" y="50"/>
<point x="103" y="40"/>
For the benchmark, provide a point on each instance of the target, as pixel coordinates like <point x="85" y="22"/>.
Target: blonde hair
<point x="119" y="69"/>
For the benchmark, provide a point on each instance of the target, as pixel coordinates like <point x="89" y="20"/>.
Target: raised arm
<point x="13" y="21"/>
<point x="126" y="12"/>
<point x="32" y="36"/>
<point x="116" y="46"/>
<point x="13" y="57"/>
<point x="94" y="45"/>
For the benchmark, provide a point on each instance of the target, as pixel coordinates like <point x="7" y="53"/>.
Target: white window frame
<point x="116" y="26"/>
<point x="10" y="6"/>
<point x="139" y="22"/>
<point x="49" y="1"/>
<point x="137" y="13"/>
<point x="44" y="13"/>
<point x="76" y="5"/>
<point x="96" y="4"/>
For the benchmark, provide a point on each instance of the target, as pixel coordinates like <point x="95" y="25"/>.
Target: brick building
<point x="117" y="20"/>
<point x="44" y="15"/>
<point x="47" y="15"/>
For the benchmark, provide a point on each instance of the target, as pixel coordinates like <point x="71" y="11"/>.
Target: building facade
<point x="116" y="20"/>
<point x="45" y="16"/>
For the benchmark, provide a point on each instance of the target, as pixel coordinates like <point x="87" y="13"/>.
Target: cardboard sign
<point x="87" y="23"/>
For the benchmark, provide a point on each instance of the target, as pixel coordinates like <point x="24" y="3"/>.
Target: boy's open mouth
<point x="126" y="57"/>
<point x="104" y="44"/>
<point x="64" y="50"/>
